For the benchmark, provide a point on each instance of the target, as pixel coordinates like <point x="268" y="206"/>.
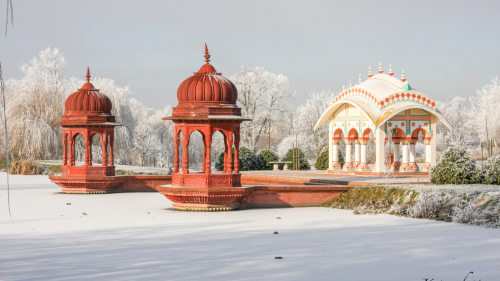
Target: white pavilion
<point x="380" y="105"/>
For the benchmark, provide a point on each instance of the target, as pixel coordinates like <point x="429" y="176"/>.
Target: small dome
<point x="88" y="100"/>
<point x="207" y="86"/>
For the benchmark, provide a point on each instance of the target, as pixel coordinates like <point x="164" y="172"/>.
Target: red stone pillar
<point x="208" y="161"/>
<point x="230" y="153"/>
<point x="176" y="151"/>
<point x="65" y="145"/>
<point x="111" y="153"/>
<point x="88" y="159"/>
<point x="203" y="165"/>
<point x="105" y="149"/>
<point x="71" y="149"/>
<point x="185" y="151"/>
<point x="225" y="153"/>
<point x="236" y="153"/>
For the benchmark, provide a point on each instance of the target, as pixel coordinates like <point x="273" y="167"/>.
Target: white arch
<point x="330" y="110"/>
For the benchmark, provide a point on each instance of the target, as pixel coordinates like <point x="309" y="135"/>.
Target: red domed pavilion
<point x="207" y="104"/>
<point x="88" y="112"/>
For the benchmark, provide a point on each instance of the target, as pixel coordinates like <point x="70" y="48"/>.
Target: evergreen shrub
<point x="322" y="160"/>
<point x="267" y="156"/>
<point x="248" y="160"/>
<point x="456" y="166"/>
<point x="303" y="164"/>
<point x="491" y="171"/>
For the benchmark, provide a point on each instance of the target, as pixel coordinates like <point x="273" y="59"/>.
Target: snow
<point x="137" y="236"/>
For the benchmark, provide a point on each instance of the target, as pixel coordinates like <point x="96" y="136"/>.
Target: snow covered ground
<point x="137" y="236"/>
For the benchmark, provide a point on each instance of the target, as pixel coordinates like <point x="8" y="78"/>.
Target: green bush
<point x="267" y="156"/>
<point x="322" y="160"/>
<point x="491" y="170"/>
<point x="248" y="160"/>
<point x="303" y="165"/>
<point x="456" y="166"/>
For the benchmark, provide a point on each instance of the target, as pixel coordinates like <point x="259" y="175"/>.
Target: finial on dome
<point x="390" y="70"/>
<point x="359" y="81"/>
<point x="88" y="74"/>
<point x="380" y="68"/>
<point x="370" y="72"/>
<point x="403" y="78"/>
<point x="207" y="56"/>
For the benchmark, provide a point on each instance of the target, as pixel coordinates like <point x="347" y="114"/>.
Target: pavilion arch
<point x="398" y="135"/>
<point x="416" y="132"/>
<point x="393" y="110"/>
<point x="336" y="105"/>
<point x="352" y="135"/>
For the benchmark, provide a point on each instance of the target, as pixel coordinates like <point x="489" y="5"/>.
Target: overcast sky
<point x="447" y="48"/>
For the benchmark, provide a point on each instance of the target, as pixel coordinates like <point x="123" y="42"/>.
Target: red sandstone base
<point x="102" y="184"/>
<point x="204" y="199"/>
<point x="369" y="173"/>
<point x="206" y="180"/>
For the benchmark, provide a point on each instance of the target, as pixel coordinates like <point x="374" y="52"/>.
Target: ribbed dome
<point x="207" y="86"/>
<point x="88" y="100"/>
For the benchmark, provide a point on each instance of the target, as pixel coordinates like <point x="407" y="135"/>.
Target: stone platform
<point x="233" y="198"/>
<point x="109" y="184"/>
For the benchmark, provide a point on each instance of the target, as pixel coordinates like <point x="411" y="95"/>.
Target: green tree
<point x="456" y="166"/>
<point x="322" y="160"/>
<point x="291" y="153"/>
<point x="267" y="156"/>
<point x="248" y="160"/>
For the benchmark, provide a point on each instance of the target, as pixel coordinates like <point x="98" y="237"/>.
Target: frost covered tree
<point x="263" y="97"/>
<point x="145" y="141"/>
<point x="456" y="166"/>
<point x="484" y="111"/>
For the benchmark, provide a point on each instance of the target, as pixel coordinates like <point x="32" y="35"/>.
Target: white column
<point x="428" y="153"/>
<point x="335" y="153"/>
<point x="379" y="151"/>
<point x="330" y="145"/>
<point x="348" y="152"/>
<point x="412" y="153"/>
<point x="433" y="141"/>
<point x="396" y="153"/>
<point x="363" y="153"/>
<point x="357" y="152"/>
<point x="405" y="157"/>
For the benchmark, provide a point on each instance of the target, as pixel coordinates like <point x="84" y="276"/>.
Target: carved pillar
<point x="185" y="151"/>
<point x="88" y="145"/>
<point x="380" y="138"/>
<point x="236" y="153"/>
<point x="224" y="170"/>
<point x="176" y="151"/>
<point x="208" y="161"/>
<point x="397" y="158"/>
<point x="363" y="166"/>
<point x="204" y="159"/>
<point x="104" y="139"/>
<point x="413" y="156"/>
<point x="111" y="145"/>
<point x="65" y="145"/>
<point x="348" y="156"/>
<point x="71" y="149"/>
<point x="428" y="153"/>
<point x="335" y="154"/>
<point x="357" y="153"/>
<point x="404" y="166"/>
<point x="230" y="154"/>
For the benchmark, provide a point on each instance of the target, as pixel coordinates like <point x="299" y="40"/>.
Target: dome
<point x="88" y="100"/>
<point x="207" y="86"/>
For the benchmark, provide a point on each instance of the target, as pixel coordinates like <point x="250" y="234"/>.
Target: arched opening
<point x="217" y="150"/>
<point x="196" y="151"/>
<point x="180" y="150"/>
<point x="418" y="135"/>
<point x="79" y="144"/>
<point x="96" y="148"/>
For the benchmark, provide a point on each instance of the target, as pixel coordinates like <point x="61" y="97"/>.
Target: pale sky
<point x="447" y="48"/>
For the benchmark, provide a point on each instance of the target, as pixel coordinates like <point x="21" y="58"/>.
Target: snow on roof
<point x="380" y="97"/>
